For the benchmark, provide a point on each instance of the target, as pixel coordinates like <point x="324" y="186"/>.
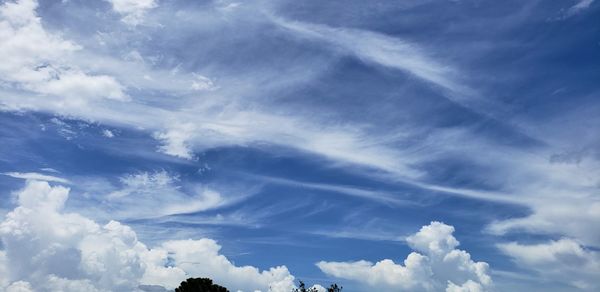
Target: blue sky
<point x="383" y="145"/>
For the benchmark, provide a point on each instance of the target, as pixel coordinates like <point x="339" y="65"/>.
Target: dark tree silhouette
<point x="302" y="288"/>
<point x="334" y="288"/>
<point x="200" y="285"/>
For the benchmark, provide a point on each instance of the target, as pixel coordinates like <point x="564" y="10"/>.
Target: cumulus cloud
<point x="436" y="264"/>
<point x="201" y="257"/>
<point x="47" y="249"/>
<point x="563" y="260"/>
<point x="133" y="11"/>
<point x="37" y="59"/>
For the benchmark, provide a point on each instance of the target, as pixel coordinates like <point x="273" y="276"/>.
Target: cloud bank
<point x="47" y="249"/>
<point x="435" y="265"/>
<point x="563" y="260"/>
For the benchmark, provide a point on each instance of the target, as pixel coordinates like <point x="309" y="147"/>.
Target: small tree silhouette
<point x="302" y="288"/>
<point x="200" y="285"/>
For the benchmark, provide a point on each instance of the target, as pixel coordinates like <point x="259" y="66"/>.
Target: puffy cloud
<point x="132" y="11"/>
<point x="176" y="140"/>
<point x="37" y="60"/>
<point x="468" y="286"/>
<point x="108" y="133"/>
<point x="563" y="260"/>
<point x="41" y="242"/>
<point x="19" y="286"/>
<point x="438" y="265"/>
<point x="46" y="249"/>
<point x="434" y="238"/>
<point x="201" y="257"/>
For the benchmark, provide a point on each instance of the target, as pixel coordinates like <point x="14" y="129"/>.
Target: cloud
<point x="46" y="249"/>
<point x="580" y="6"/>
<point x="201" y="257"/>
<point x="382" y="50"/>
<point x="20" y="286"/>
<point x="436" y="265"/>
<point x="383" y="197"/>
<point x="468" y="286"/>
<point x="39" y="62"/>
<point x="157" y="194"/>
<point x="553" y="213"/>
<point x="133" y="11"/>
<point x="176" y="140"/>
<point x="217" y="122"/>
<point x="36" y="176"/>
<point x="108" y="133"/>
<point x="562" y="199"/>
<point x="563" y="260"/>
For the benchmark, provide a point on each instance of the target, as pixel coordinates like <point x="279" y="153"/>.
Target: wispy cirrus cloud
<point x="215" y="75"/>
<point x="37" y="176"/>
<point x="133" y="11"/>
<point x="579" y="7"/>
<point x="383" y="50"/>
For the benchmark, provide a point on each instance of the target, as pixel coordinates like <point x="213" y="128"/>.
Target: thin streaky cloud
<point x="37" y="176"/>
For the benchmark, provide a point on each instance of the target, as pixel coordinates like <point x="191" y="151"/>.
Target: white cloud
<point x="439" y="265"/>
<point x="380" y="49"/>
<point x="569" y="213"/>
<point x="36" y="176"/>
<point x="468" y="286"/>
<point x="580" y="6"/>
<point x="157" y="194"/>
<point x="133" y="11"/>
<point x="562" y="199"/>
<point x="435" y="238"/>
<point x="563" y="260"/>
<point x="46" y="249"/>
<point x="37" y="60"/>
<point x="203" y="123"/>
<point x="108" y="133"/>
<point x="176" y="140"/>
<point x="73" y="84"/>
<point x="202" y="83"/>
<point x="201" y="257"/>
<point x="19" y="286"/>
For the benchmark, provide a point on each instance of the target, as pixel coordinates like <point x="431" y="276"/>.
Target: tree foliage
<point x="334" y="288"/>
<point x="200" y="285"/>
<point x="302" y="288"/>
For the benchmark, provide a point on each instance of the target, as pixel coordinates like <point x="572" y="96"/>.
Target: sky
<point x="414" y="145"/>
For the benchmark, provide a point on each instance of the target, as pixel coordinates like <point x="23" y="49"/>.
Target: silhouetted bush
<point x="302" y="288"/>
<point x="200" y="285"/>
